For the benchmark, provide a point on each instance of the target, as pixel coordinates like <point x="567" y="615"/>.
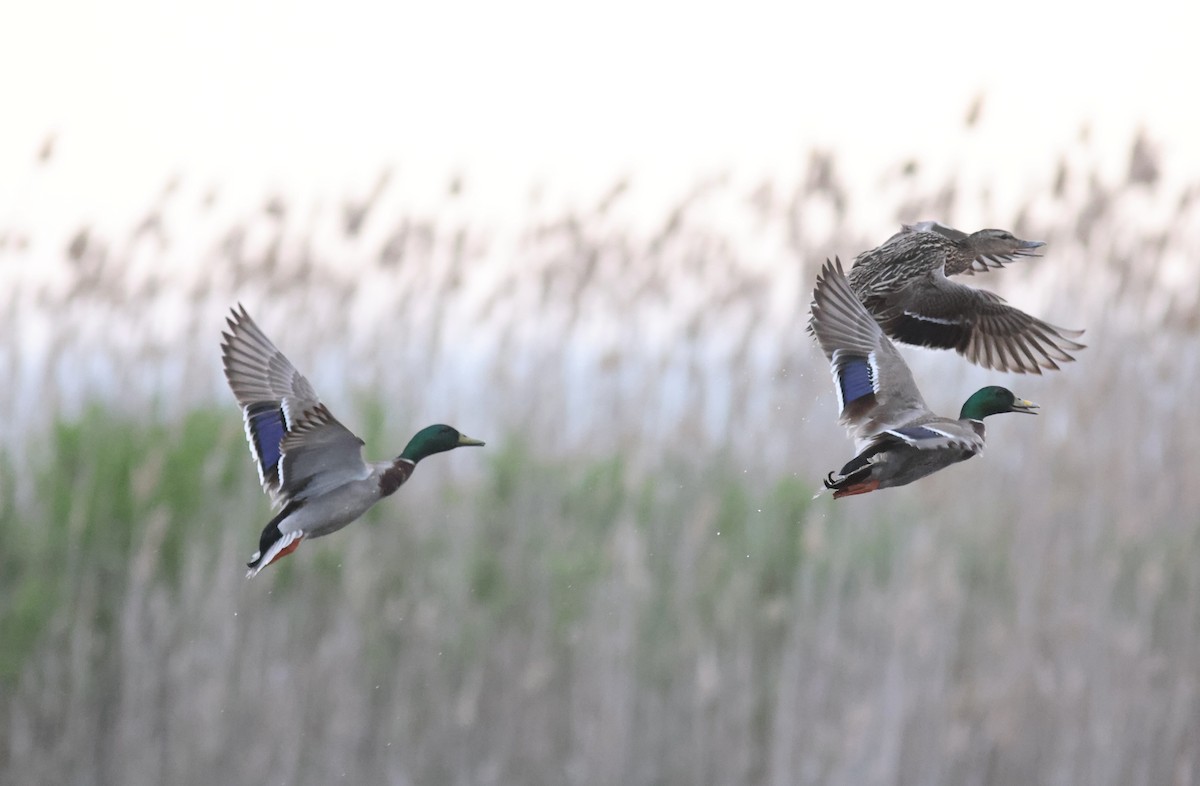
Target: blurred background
<point x="588" y="235"/>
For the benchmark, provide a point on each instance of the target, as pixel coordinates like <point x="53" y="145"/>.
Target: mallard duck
<point x="993" y="248"/>
<point x="897" y="437"/>
<point x="903" y="283"/>
<point x="310" y="464"/>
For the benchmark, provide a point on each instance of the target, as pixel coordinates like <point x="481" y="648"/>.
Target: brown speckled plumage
<point x="904" y="284"/>
<point x="897" y="438"/>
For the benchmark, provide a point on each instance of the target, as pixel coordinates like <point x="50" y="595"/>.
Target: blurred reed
<point x="632" y="584"/>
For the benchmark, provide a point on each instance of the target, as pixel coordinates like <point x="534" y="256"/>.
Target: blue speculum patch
<point x="267" y="429"/>
<point x="855" y="379"/>
<point x="918" y="432"/>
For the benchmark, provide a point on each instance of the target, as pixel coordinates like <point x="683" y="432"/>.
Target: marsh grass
<point x="632" y="583"/>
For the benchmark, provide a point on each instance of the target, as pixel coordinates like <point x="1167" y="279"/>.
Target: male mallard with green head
<point x="897" y="437"/>
<point x="904" y="284"/>
<point x="310" y="464"/>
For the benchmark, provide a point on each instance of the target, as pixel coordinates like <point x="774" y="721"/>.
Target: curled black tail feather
<point x="271" y="533"/>
<point x="856" y="469"/>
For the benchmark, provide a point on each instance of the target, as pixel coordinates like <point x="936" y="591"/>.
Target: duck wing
<point x="875" y="389"/>
<point x="935" y="433"/>
<point x="318" y="455"/>
<point x="278" y="405"/>
<point x="933" y="311"/>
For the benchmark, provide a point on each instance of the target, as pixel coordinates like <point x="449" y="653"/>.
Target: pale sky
<point x="264" y="94"/>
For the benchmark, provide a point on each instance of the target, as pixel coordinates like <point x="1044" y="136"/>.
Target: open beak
<point x="464" y="440"/>
<point x="1024" y="405"/>
<point x="1028" y="247"/>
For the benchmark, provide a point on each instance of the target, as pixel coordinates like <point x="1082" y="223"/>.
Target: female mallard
<point x="903" y="283"/>
<point x="897" y="438"/>
<point x="310" y="464"/>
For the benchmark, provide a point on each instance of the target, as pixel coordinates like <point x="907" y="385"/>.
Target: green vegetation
<point x="632" y="582"/>
<point x="540" y="587"/>
<point x="110" y="497"/>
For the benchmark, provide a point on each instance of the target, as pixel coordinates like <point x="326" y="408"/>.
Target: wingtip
<point x="237" y="315"/>
<point x="831" y="268"/>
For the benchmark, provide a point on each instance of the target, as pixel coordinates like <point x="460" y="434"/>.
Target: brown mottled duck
<point x="904" y="284"/>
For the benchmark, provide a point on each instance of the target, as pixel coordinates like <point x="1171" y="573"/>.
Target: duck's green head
<point x="435" y="439"/>
<point x="994" y="400"/>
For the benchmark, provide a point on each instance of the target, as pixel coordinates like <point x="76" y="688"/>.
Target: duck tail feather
<point x="280" y="548"/>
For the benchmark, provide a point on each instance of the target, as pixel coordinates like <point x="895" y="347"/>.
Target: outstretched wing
<point x="875" y="389"/>
<point x="933" y="311"/>
<point x="281" y="411"/>
<point x="319" y="454"/>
